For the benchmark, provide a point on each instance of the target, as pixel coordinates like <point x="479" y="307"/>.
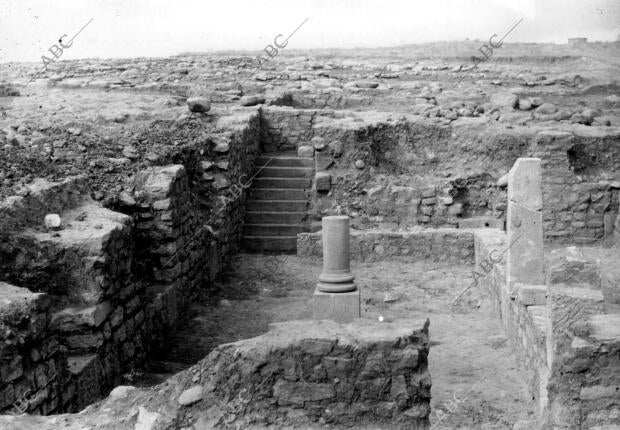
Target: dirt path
<point x="475" y="380"/>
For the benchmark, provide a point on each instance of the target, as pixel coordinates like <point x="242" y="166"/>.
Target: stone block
<point x="84" y="342"/>
<point x="305" y="151"/>
<point x="525" y="183"/>
<point x="300" y="393"/>
<point x="482" y="222"/>
<point x="86" y="371"/>
<point x="567" y="306"/>
<point x="339" y="307"/>
<point x="569" y="266"/>
<point x="531" y="295"/>
<point x="73" y="319"/>
<point x="524" y="259"/>
<point x="323" y="181"/>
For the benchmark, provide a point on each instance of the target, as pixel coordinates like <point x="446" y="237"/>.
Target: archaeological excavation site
<point x="387" y="239"/>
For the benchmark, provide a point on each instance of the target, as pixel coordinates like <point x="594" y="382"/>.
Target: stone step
<point x="284" y="172"/>
<point x="277" y="205"/>
<point x="294" y="183"/>
<point x="280" y="161"/>
<point x="277" y="194"/>
<point x="273" y="229"/>
<point x="275" y="217"/>
<point x="269" y="243"/>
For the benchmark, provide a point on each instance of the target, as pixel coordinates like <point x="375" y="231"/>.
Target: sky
<point x="156" y="28"/>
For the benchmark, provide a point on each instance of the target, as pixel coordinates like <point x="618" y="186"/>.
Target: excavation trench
<point x="135" y="291"/>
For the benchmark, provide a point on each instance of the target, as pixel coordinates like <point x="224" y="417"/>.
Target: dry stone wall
<point x="443" y="244"/>
<point x="387" y="171"/>
<point x="106" y="288"/>
<point x="565" y="334"/>
<point x="298" y="375"/>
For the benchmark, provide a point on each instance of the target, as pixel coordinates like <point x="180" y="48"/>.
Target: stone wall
<point x="418" y="171"/>
<point x="40" y="198"/>
<point x="32" y="362"/>
<point x="285" y="128"/>
<point x="523" y="316"/>
<point x="443" y="244"/>
<point x="298" y="375"/>
<point x="565" y="335"/>
<point x="117" y="283"/>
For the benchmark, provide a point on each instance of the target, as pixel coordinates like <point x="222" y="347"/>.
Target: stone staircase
<point x="277" y="207"/>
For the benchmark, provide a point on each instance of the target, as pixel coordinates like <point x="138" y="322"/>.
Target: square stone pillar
<point x="336" y="297"/>
<point x="524" y="262"/>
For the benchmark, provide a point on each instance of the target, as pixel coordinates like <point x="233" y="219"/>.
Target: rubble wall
<point x="524" y="321"/>
<point x="117" y="283"/>
<point x="565" y="335"/>
<point x="297" y="375"/>
<point x="442" y="244"/>
<point x="423" y="172"/>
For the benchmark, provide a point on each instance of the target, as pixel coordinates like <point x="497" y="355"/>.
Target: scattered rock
<point x="504" y="100"/>
<point x="131" y="153"/>
<point x="305" y="151"/>
<point x="525" y="104"/>
<point x="191" y="396"/>
<point x="359" y="164"/>
<point x="220" y="182"/>
<point x="318" y="143"/>
<point x="366" y="84"/>
<point x="125" y="199"/>
<point x="52" y="221"/>
<point x="206" y="165"/>
<point x="546" y="109"/>
<point x="503" y="181"/>
<point x="198" y="104"/>
<point x="252" y="100"/>
<point x="535" y="102"/>
<point x="326" y="83"/>
<point x="222" y="147"/>
<point x="146" y="420"/>
<point x="336" y="148"/>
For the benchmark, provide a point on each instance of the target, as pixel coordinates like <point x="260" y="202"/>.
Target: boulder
<point x="504" y="100"/>
<point x="366" y="84"/>
<point x="251" y="100"/>
<point x="198" y="104"/>
<point x="525" y="104"/>
<point x="305" y="151"/>
<point x="52" y="221"/>
<point x="546" y="109"/>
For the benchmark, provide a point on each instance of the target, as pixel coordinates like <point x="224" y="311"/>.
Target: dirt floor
<point x="476" y="383"/>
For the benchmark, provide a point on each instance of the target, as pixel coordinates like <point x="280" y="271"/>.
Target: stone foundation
<point x="565" y="336"/>
<point x="442" y="244"/>
<point x="98" y="296"/>
<point x="412" y="174"/>
<point x="297" y="374"/>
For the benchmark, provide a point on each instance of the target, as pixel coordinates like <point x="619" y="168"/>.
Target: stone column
<point x="336" y="296"/>
<point x="524" y="262"/>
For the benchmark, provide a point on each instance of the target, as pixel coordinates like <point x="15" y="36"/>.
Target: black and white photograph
<point x="319" y="214"/>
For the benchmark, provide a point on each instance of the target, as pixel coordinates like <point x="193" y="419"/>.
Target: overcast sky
<point x="149" y="28"/>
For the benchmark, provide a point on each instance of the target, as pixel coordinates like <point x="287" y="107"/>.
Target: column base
<point x="339" y="307"/>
